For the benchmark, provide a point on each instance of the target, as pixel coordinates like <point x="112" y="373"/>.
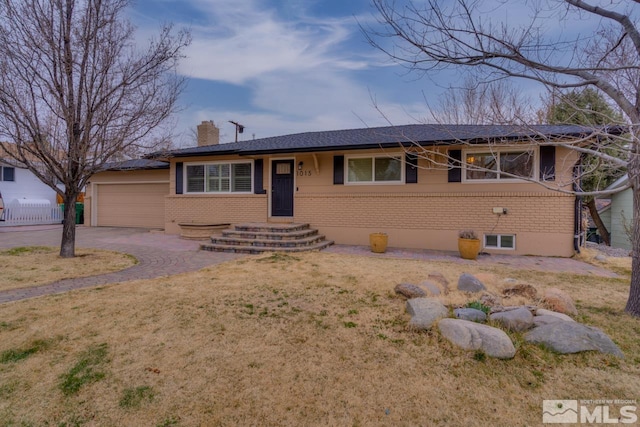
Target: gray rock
<point x="601" y="258"/>
<point x="432" y="288"/>
<point x="439" y="278"/>
<point x="572" y="337"/>
<point x="409" y="290"/>
<point x="469" y="283"/>
<point x="519" y="319"/>
<point x="471" y="314"/>
<point x="474" y="336"/>
<point x="425" y="312"/>
<point x="545" y="320"/>
<point x="561" y="316"/>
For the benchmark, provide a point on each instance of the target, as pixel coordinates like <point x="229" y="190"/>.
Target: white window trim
<point x="220" y="162"/>
<point x="499" y="241"/>
<point x="497" y="150"/>
<point x="398" y="155"/>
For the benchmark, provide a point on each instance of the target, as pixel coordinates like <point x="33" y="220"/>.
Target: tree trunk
<point x="633" y="303"/>
<point x="604" y="233"/>
<point x="68" y="244"/>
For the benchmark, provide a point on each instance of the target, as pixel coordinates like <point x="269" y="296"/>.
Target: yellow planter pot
<point x="469" y="248"/>
<point x="378" y="242"/>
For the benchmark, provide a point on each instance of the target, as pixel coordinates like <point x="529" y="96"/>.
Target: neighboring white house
<point x="618" y="216"/>
<point x="26" y="199"/>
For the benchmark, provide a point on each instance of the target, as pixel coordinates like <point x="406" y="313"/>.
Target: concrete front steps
<point x="256" y="238"/>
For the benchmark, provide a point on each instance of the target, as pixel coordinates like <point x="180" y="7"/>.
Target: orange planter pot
<point x="378" y="242"/>
<point x="469" y="248"/>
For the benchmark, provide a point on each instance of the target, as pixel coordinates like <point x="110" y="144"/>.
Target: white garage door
<point x="131" y="205"/>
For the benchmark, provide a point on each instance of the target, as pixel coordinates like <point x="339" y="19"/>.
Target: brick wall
<point x="214" y="209"/>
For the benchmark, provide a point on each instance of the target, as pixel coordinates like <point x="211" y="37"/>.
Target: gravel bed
<point x="608" y="250"/>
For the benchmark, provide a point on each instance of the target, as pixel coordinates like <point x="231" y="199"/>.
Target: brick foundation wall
<point x="214" y="209"/>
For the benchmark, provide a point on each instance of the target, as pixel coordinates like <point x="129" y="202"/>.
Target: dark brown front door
<point x="282" y="188"/>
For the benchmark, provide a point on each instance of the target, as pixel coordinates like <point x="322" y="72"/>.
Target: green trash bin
<point x="79" y="213"/>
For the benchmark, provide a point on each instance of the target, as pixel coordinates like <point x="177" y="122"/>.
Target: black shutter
<point x="338" y="170"/>
<point x="548" y="163"/>
<point x="455" y="165"/>
<point x="258" y="171"/>
<point x="179" y="176"/>
<point x="411" y="169"/>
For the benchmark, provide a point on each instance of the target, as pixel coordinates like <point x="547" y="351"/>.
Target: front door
<point x="282" y="188"/>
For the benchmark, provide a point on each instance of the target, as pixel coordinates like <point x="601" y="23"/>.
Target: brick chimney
<point x="208" y="133"/>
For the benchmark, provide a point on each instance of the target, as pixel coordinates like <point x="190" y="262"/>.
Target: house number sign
<point x="304" y="173"/>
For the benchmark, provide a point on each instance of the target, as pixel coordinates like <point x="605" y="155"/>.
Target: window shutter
<point x="179" y="178"/>
<point x="455" y="165"/>
<point x="338" y="170"/>
<point x="411" y="169"/>
<point x="548" y="163"/>
<point x="258" y="171"/>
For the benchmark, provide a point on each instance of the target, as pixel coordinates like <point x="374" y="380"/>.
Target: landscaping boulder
<point x="518" y="320"/>
<point x="520" y="290"/>
<point x="471" y="314"/>
<point x="425" y="312"/>
<point x="469" y="283"/>
<point x="474" y="336"/>
<point x="409" y="290"/>
<point x="572" y="337"/>
<point x="559" y="301"/>
<point x="431" y="287"/>
<point x="439" y="279"/>
<point x="545" y="320"/>
<point x="544" y="312"/>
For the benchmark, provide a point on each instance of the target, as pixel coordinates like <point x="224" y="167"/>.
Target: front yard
<point x="310" y="339"/>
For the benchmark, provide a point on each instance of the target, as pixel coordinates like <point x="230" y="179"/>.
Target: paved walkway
<point x="159" y="254"/>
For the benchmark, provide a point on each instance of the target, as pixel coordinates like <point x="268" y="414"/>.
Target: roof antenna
<point x="239" y="128"/>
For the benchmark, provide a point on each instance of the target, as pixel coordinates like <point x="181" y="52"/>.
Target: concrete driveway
<point x="158" y="255"/>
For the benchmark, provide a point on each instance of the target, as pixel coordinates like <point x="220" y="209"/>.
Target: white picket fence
<point x="31" y="212"/>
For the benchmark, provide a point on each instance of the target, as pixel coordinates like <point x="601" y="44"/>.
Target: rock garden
<point x="474" y="316"/>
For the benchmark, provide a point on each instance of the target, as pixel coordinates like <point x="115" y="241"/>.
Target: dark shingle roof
<point x="355" y="139"/>
<point x="136" y="164"/>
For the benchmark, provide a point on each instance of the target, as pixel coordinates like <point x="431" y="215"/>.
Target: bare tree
<point x="478" y="103"/>
<point x="587" y="107"/>
<point x="479" y="37"/>
<point x="76" y="92"/>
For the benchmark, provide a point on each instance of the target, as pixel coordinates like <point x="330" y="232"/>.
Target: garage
<point x="131" y="205"/>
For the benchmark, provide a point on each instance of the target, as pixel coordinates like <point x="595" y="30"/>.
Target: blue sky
<point x="281" y="67"/>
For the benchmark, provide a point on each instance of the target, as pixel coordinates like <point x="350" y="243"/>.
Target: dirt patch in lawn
<point x="24" y="267"/>
<point x="310" y="339"/>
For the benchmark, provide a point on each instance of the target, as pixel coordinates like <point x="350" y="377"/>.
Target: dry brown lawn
<point x="310" y="339"/>
<point x="23" y="267"/>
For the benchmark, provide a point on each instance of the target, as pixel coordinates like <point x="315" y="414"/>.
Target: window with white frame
<point x="499" y="241"/>
<point x="375" y="169"/>
<point x="219" y="177"/>
<point x="7" y="173"/>
<point x="506" y="164"/>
